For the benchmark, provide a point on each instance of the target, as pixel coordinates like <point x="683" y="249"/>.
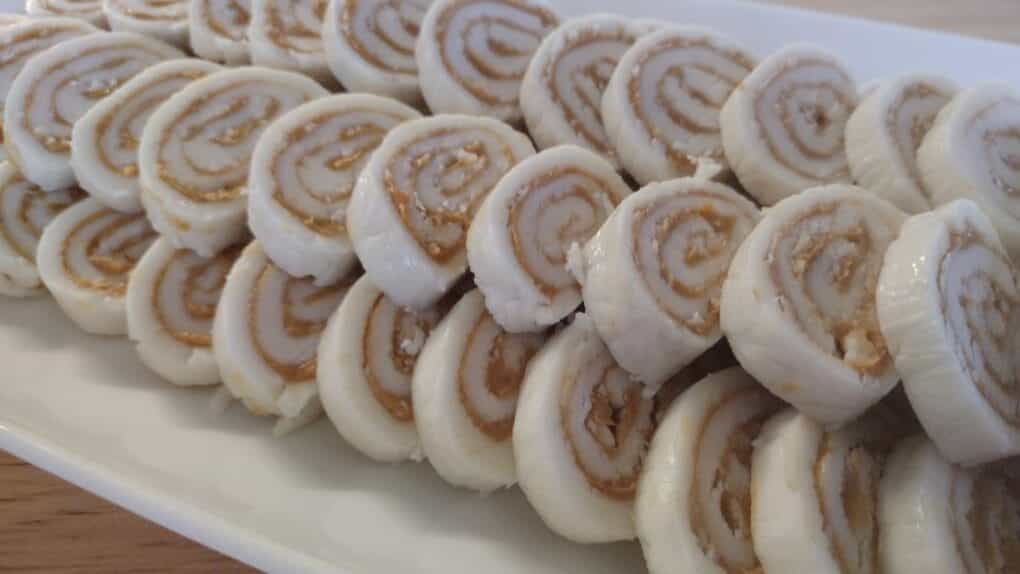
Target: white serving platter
<point x="85" y="409"/>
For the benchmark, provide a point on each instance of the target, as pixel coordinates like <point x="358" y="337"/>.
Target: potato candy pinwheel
<point x="165" y="20"/>
<point x="561" y="94"/>
<point x="653" y="274"/>
<point x="366" y="360"/>
<point x="171" y="301"/>
<point x="661" y="107"/>
<point x="941" y="519"/>
<point x="783" y="127"/>
<point x="218" y="30"/>
<point x="28" y="38"/>
<point x="287" y="34"/>
<point x="410" y="212"/>
<point x="885" y="131"/>
<point x="798" y="305"/>
<point x="815" y="506"/>
<point x="474" y="53"/>
<point x="370" y="45"/>
<point x="85" y="257"/>
<point x="302" y="175"/>
<point x="195" y="152"/>
<point x="519" y="241"/>
<point x="580" y="435"/>
<point x="693" y="507"/>
<point x="464" y="393"/>
<point x="947" y="306"/>
<point x="90" y="11"/>
<point x="266" y="336"/>
<point x="25" y="210"/>
<point x="104" y="142"/>
<point x="57" y="87"/>
<point x="972" y="152"/>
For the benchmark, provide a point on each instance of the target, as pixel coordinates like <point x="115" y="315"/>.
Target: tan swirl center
<point x="186" y="292"/>
<point x="25" y="210"/>
<point x="100" y="252"/>
<point x="227" y="18"/>
<point x="295" y="25"/>
<point x="384" y="32"/>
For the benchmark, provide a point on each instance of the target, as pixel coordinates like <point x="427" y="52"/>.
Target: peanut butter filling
<point x="531" y="21"/>
<point x="153" y="10"/>
<point x="233" y="29"/>
<point x="408" y="13"/>
<point x="111" y="253"/>
<point x="34" y="209"/>
<point x="289" y="35"/>
<point x="71" y="7"/>
<point x="199" y="291"/>
<point x="919" y="123"/>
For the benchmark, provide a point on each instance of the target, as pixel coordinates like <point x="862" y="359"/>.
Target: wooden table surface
<point x="47" y="525"/>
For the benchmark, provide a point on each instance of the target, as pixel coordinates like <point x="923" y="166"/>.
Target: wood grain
<point x="47" y="525"/>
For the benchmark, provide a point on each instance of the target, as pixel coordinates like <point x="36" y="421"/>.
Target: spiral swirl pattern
<point x="286" y="316"/>
<point x="985" y="520"/>
<point x="185" y="293"/>
<point x="392" y="339"/>
<point x="162" y="12"/>
<point x="675" y="87"/>
<point x="101" y="250"/>
<point x="383" y="32"/>
<point x="89" y="10"/>
<point x="291" y="26"/>
<point x="219" y="29"/>
<point x="25" y="210"/>
<point x="682" y="245"/>
<point x="437" y="182"/>
<point x="490" y="374"/>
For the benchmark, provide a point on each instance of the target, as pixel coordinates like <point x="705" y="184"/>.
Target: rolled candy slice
<point x="947" y="306"/>
<point x="287" y="34"/>
<point x="783" y="127"/>
<point x="104" y="142"/>
<point x="196" y="149"/>
<point x="798" y="304"/>
<point x="28" y="38"/>
<point x="884" y="132"/>
<point x="85" y="256"/>
<point x="57" y="87"/>
<point x="561" y="94"/>
<point x="218" y="30"/>
<point x="266" y="335"/>
<point x="165" y="20"/>
<point x="580" y="435"/>
<point x="693" y="506"/>
<point x="464" y="394"/>
<point x="369" y="45"/>
<point x="519" y="241"/>
<point x="302" y="175"/>
<point x="409" y="215"/>
<point x="815" y="506"/>
<point x="973" y="152"/>
<point x="661" y="107"/>
<point x="90" y="11"/>
<point x="25" y="210"/>
<point x="941" y="519"/>
<point x="366" y="358"/>
<point x="653" y="274"/>
<point x="474" y="53"/>
<point x="171" y="301"/>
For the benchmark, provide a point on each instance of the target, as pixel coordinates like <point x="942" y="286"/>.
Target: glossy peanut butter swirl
<point x="204" y="153"/>
<point x="486" y="45"/>
<point x="682" y="244"/>
<point x="25" y="210"/>
<point x="118" y="132"/>
<point x="295" y="25"/>
<point x="152" y="11"/>
<point x="227" y="19"/>
<point x="720" y="495"/>
<point x="978" y="292"/>
<point x="437" y="182"/>
<point x="101" y="250"/>
<point x="556" y="209"/>
<point x="577" y="76"/>
<point x="392" y="339"/>
<point x="824" y="264"/>
<point x="383" y="32"/>
<point x="185" y="293"/>
<point x="801" y="113"/>
<point x="70" y="86"/>
<point x="314" y="171"/>
<point x="490" y="374"/>
<point x="677" y="89"/>
<point x="286" y="316"/>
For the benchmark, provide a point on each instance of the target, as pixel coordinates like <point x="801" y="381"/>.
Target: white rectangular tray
<point x="85" y="409"/>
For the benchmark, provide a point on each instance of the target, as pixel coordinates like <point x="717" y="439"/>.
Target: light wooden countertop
<point x="47" y="525"/>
